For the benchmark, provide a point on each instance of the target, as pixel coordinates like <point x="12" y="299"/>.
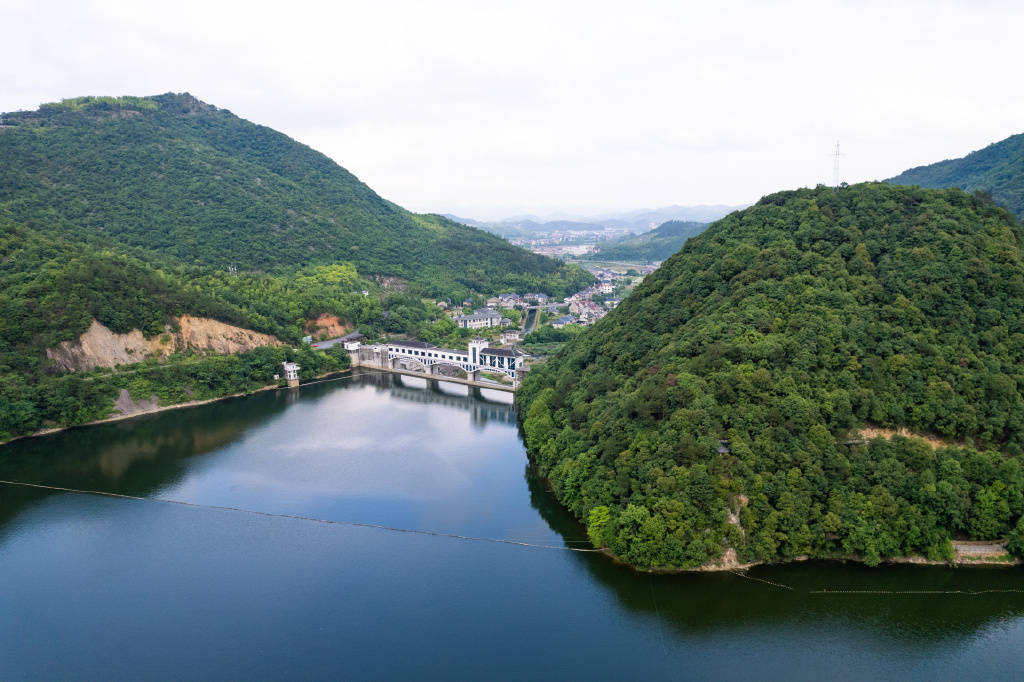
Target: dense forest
<point x="719" y="408"/>
<point x="52" y="289"/>
<point x="998" y="169"/>
<point x="176" y="176"/>
<point x="135" y="211"/>
<point x="656" y="245"/>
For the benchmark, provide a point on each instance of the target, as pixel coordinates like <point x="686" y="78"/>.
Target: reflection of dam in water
<point x="481" y="407"/>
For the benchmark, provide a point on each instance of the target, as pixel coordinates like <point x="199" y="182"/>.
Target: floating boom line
<point x="298" y="517"/>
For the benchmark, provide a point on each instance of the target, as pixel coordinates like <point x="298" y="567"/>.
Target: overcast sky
<point x="488" y="109"/>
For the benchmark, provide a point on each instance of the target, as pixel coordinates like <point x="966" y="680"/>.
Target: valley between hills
<point x="832" y="372"/>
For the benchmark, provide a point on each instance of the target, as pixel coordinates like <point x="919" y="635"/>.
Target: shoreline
<point x="728" y="563"/>
<point x="729" y="567"/>
<point x="165" y="408"/>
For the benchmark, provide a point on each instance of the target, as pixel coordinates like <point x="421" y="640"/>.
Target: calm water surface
<point x="101" y="587"/>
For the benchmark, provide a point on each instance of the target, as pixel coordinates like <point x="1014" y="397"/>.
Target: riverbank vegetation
<point x="718" y="407"/>
<point x="73" y="398"/>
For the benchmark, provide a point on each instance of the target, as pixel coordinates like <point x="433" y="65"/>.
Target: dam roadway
<point x="426" y="361"/>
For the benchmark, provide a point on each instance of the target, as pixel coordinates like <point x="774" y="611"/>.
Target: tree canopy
<point x="719" y="406"/>
<point x="998" y="169"/>
<point x="134" y="211"/>
<point x="656" y="245"/>
<point x="175" y="176"/>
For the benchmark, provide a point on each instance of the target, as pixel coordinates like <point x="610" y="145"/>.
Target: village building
<point x="563" y="321"/>
<point x="505" y="301"/>
<point x="592" y="314"/>
<point x="511" y="337"/>
<point x="291" y="373"/>
<point x="484" y="318"/>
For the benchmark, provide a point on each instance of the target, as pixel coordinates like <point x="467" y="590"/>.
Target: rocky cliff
<point x="101" y="347"/>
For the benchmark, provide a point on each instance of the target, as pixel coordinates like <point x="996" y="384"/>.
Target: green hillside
<point x="135" y="211"/>
<point x="656" y="245"/>
<point x="51" y="289"/>
<point x="782" y="330"/>
<point x="997" y="169"/>
<point x="173" y="175"/>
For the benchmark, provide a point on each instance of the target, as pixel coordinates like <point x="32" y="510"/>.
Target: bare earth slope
<point x="100" y="347"/>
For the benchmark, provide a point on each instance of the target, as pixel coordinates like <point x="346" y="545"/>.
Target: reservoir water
<point x="99" y="587"/>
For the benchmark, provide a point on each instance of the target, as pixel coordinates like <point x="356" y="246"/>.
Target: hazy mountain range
<point x="638" y="221"/>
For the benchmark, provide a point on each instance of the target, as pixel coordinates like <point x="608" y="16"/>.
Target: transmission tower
<point x="835" y="165"/>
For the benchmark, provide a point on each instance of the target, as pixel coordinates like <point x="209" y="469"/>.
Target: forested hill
<point x="135" y="212"/>
<point x="735" y="380"/>
<point x="997" y="169"/>
<point x="173" y="175"/>
<point x="656" y="245"/>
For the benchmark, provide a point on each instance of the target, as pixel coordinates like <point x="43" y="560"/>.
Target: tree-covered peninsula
<point x="749" y="396"/>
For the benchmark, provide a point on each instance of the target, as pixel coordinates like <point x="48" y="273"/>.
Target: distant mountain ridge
<point x="638" y="221"/>
<point x="997" y="169"/>
<point x="703" y="213"/>
<point x="656" y="245"/>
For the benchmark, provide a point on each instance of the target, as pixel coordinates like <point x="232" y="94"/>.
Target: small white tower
<point x="475" y="346"/>
<point x="291" y="373"/>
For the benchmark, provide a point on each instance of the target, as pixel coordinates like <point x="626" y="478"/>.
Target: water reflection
<point x="484" y="405"/>
<point x="132" y="457"/>
<point x="391" y="449"/>
<point x="151" y="453"/>
<point x="704" y="603"/>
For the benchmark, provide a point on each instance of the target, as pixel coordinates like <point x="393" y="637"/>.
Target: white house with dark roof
<point x="512" y="336"/>
<point x="484" y="318"/>
<point x="562" y="321"/>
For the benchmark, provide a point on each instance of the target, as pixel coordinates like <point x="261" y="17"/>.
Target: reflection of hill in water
<point x="706" y="603"/>
<point x="133" y="457"/>
<point x="143" y="455"/>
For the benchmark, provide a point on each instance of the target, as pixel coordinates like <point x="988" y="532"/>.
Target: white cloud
<point x="447" y="106"/>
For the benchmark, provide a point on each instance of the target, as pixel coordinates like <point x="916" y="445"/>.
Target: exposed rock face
<point x="100" y="347"/>
<point x="329" y="325"/>
<point x="125" y="405"/>
<point x="200" y="333"/>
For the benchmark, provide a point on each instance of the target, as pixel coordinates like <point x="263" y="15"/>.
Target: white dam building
<point x="479" y="357"/>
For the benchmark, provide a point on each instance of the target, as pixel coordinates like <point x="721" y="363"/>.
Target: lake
<point x="100" y="587"/>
